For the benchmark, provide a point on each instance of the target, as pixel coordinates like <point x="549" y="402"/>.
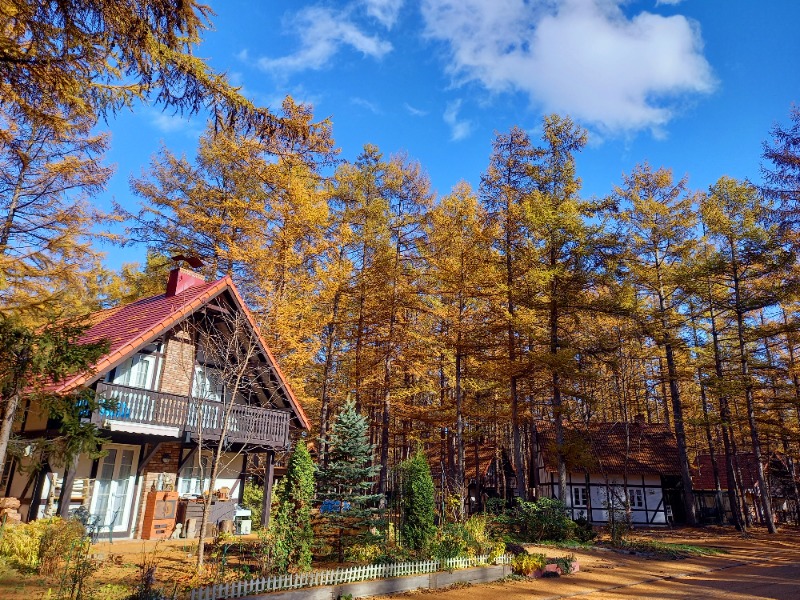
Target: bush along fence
<point x="293" y="581"/>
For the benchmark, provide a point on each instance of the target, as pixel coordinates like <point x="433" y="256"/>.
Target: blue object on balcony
<point x="122" y="412"/>
<point x="332" y="506"/>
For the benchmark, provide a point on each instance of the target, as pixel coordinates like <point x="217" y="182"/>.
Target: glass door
<point x="113" y="497"/>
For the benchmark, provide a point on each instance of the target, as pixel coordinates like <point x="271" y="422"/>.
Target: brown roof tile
<point x="634" y="448"/>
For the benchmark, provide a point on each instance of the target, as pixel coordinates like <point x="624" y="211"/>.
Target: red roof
<point x="635" y="448"/>
<point x="128" y="328"/>
<point x="703" y="473"/>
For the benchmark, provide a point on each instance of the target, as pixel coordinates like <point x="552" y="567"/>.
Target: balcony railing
<point x="200" y="418"/>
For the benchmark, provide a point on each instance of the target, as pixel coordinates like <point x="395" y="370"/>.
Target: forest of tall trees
<point x="450" y="320"/>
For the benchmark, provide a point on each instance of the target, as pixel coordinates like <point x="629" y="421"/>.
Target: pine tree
<point x="293" y="517"/>
<point x="418" y="505"/>
<point x="346" y="482"/>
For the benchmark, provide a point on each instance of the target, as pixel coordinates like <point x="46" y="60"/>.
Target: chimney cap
<point x="193" y="261"/>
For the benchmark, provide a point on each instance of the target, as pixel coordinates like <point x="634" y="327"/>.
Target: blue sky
<point x="692" y="85"/>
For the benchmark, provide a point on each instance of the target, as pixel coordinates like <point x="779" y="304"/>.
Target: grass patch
<point x="668" y="550"/>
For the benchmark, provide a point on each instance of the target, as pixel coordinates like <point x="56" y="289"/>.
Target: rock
<point x="11" y="503"/>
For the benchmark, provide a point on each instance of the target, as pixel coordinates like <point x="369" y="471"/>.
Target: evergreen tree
<point x="418" y="503"/>
<point x="351" y="509"/>
<point x="293" y="518"/>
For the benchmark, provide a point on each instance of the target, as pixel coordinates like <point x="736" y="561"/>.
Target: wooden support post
<point x="243" y="477"/>
<point x="66" y="488"/>
<point x="36" y="497"/>
<point x="268" y="477"/>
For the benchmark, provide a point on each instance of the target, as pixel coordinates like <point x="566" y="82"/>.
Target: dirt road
<point x="758" y="567"/>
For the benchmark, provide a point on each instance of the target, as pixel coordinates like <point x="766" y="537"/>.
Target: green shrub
<point x="253" y="498"/>
<point x="40" y="545"/>
<point x="498" y="550"/>
<point x="544" y="519"/>
<point x="293" y="515"/>
<point x="450" y="542"/>
<point x="584" y="532"/>
<point x="495" y="506"/>
<point x="363" y="553"/>
<point x="417" y="530"/>
<point x="563" y="562"/>
<point x="527" y="564"/>
<point x="476" y="534"/>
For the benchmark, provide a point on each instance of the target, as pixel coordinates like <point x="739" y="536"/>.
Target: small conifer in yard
<point x="293" y="517"/>
<point x="418" y="504"/>
<point x="351" y="510"/>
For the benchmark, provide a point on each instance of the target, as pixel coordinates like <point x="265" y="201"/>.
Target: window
<point x="139" y="371"/>
<point x="208" y="384"/>
<point x="636" y="498"/>
<point x="194" y="480"/>
<point x="579" y="496"/>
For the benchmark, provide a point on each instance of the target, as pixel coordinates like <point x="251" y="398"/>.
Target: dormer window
<point x="139" y="371"/>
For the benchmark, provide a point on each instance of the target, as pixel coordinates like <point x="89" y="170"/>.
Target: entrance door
<point x="113" y="493"/>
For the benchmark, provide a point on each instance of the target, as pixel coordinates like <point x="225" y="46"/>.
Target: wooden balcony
<point x="172" y="415"/>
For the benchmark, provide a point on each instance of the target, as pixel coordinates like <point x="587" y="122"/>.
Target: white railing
<point x="293" y="581"/>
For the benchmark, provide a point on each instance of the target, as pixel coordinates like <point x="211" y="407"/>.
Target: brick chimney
<point x="181" y="279"/>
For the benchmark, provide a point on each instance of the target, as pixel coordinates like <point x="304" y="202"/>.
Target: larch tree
<point x="212" y="209"/>
<point x="504" y="191"/>
<point x="47" y="177"/>
<point x="781" y="171"/>
<point x="572" y="265"/>
<point x="459" y="275"/>
<point x="59" y="58"/>
<point x="752" y="259"/>
<point x="659" y="223"/>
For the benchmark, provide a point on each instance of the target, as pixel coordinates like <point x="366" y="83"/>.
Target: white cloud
<point x="371" y="107"/>
<point x="459" y="129"/>
<point x="581" y="57"/>
<point x="323" y="32"/>
<point x="169" y="123"/>
<point x="415" y="112"/>
<point x="671" y="2"/>
<point x="384" y="11"/>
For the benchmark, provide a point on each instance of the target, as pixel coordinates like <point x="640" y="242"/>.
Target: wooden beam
<point x="266" y="503"/>
<point x="67" y="483"/>
<point x="147" y="457"/>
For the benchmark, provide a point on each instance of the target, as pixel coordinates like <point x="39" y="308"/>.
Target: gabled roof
<point x="635" y="448"/>
<point x="130" y="327"/>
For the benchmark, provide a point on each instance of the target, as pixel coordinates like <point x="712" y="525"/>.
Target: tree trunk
<point x="739" y="519"/>
<point x="10" y="407"/>
<point x="749" y="400"/>
<point x="324" y="411"/>
<point x="460" y="429"/>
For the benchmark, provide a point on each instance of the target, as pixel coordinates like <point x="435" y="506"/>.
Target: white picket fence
<point x="293" y="581"/>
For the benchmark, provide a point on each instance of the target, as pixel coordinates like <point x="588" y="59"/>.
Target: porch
<point x="172" y="415"/>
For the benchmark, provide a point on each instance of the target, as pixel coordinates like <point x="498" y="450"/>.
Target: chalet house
<point x="714" y="506"/>
<point x="173" y="402"/>
<point x="609" y="464"/>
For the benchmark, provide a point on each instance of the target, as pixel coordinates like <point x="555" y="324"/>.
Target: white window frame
<point x="580" y="496"/>
<point x="194" y="480"/>
<point x="636" y="497"/>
